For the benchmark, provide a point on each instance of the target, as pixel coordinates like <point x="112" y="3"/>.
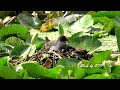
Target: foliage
<point x="22" y="54"/>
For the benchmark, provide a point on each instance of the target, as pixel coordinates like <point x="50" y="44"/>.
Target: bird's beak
<point x="66" y="38"/>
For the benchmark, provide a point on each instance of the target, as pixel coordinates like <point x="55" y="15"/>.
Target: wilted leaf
<point x="28" y="20"/>
<point x="47" y="26"/>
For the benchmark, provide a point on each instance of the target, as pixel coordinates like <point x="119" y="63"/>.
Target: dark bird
<point x="60" y="44"/>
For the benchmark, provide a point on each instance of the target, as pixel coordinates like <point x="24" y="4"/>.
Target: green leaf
<point x="116" y="69"/>
<point x="3" y="61"/>
<point x="107" y="67"/>
<point x="14" y="30"/>
<point x="32" y="49"/>
<point x="86" y="42"/>
<point x="95" y="70"/>
<point x="68" y="62"/>
<point x="76" y="27"/>
<point x="14" y="41"/>
<point x="60" y="29"/>
<point x="98" y="58"/>
<point x="117" y="21"/>
<point x="37" y="71"/>
<point x="79" y="73"/>
<point x="103" y="19"/>
<point x="8" y="73"/>
<point x="86" y="21"/>
<point x="56" y="71"/>
<point x="19" y="50"/>
<point x="117" y="33"/>
<point x="79" y="34"/>
<point x="28" y="20"/>
<point x="96" y="76"/>
<point x="109" y="14"/>
<point x="67" y="72"/>
<point x="34" y="38"/>
<point x="23" y="74"/>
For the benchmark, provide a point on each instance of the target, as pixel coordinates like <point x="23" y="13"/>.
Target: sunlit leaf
<point x="96" y="76"/>
<point x="86" y="21"/>
<point x="86" y="42"/>
<point x="19" y="50"/>
<point x="8" y="73"/>
<point x="60" y="29"/>
<point x="98" y="58"/>
<point x="28" y="20"/>
<point x="68" y="62"/>
<point x="3" y="61"/>
<point x="117" y="33"/>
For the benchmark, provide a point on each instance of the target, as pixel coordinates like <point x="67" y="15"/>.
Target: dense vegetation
<point x="94" y="34"/>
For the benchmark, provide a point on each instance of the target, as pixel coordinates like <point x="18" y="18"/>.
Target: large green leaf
<point x="14" y="41"/>
<point x="79" y="73"/>
<point x="109" y="14"/>
<point x="103" y="19"/>
<point x="94" y="70"/>
<point x="8" y="73"/>
<point x="86" y="42"/>
<point x="96" y="76"/>
<point x="28" y="20"/>
<point x="116" y="69"/>
<point x="14" y="30"/>
<point x="23" y="74"/>
<point x="68" y="62"/>
<point x="68" y="72"/>
<point x="78" y="34"/>
<point x="117" y="21"/>
<point x="117" y="33"/>
<point x="3" y="61"/>
<point x="38" y="71"/>
<point x="98" y="58"/>
<point x="19" y="50"/>
<point x="56" y="71"/>
<point x="86" y="21"/>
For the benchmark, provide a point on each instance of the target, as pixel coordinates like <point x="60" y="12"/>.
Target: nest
<point x="49" y="60"/>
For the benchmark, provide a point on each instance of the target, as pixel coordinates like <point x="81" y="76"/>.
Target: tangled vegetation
<point x="94" y="35"/>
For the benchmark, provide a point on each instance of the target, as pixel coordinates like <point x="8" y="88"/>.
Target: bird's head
<point x="62" y="38"/>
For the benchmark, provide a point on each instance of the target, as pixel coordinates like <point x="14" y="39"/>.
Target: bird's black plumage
<point x="60" y="44"/>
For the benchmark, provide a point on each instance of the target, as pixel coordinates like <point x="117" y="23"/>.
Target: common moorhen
<point x="60" y="44"/>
